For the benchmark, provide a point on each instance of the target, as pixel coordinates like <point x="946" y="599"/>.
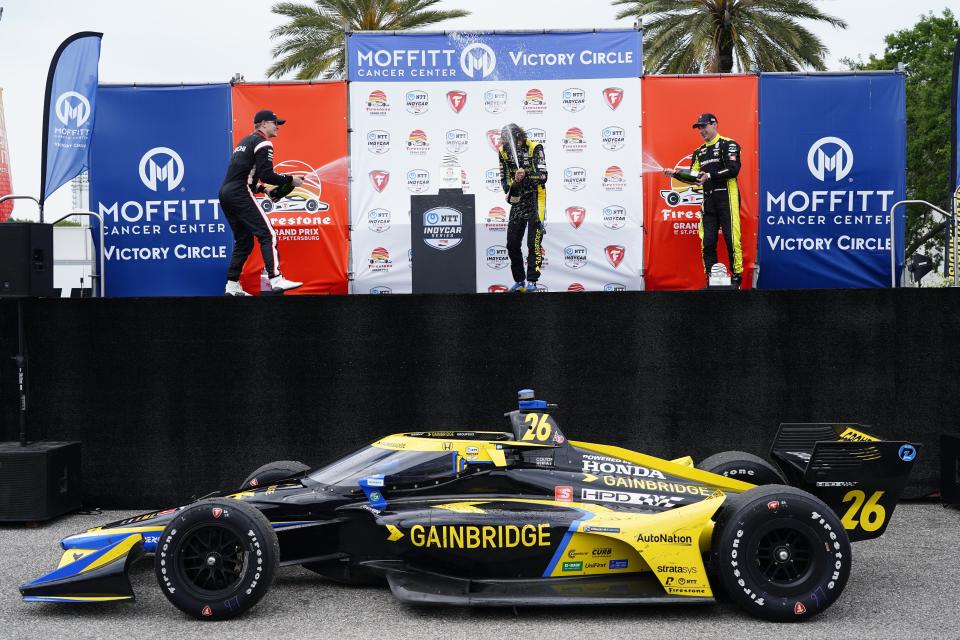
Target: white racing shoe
<point x="279" y="284"/>
<point x="234" y="289"/>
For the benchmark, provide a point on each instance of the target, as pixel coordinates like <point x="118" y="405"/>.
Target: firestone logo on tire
<point x="457" y="141"/>
<point x="378" y="141"/>
<point x="574" y="140"/>
<point x="573" y="100"/>
<point x="613" y="179"/>
<point x="575" y="256"/>
<point x="574" y="178"/>
<point x="417" y="102"/>
<point x="495" y="101"/>
<point x="418" y="180"/>
<point x="380" y="260"/>
<point x="377" y="104"/>
<point x="613" y="138"/>
<point x="614" y="217"/>
<point x="497" y="257"/>
<point x="614" y="254"/>
<point x="576" y="216"/>
<point x="378" y="220"/>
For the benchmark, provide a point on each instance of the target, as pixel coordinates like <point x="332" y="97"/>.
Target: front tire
<point x="271" y="472"/>
<point x="780" y="553"/>
<point x="741" y="465"/>
<point x="217" y="559"/>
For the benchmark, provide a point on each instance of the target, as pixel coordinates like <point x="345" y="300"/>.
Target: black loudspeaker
<point x="26" y="259"/>
<point x="39" y="481"/>
<point x="950" y="469"/>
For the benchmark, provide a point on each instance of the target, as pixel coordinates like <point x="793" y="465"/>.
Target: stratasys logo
<point x="152" y="172"/>
<point x="841" y="162"/>
<point x="664" y="538"/>
<point x="72" y="106"/>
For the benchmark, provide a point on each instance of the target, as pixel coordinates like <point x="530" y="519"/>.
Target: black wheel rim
<point x="785" y="556"/>
<point x="211" y="561"/>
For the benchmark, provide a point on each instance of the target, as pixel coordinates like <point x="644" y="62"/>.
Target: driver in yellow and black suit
<point x="525" y="186"/>
<point x="715" y="166"/>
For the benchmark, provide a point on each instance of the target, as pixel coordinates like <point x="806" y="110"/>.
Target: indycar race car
<point x="518" y="517"/>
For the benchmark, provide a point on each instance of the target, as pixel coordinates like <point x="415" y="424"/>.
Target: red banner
<point x="6" y="182"/>
<point x="671" y="208"/>
<point x="312" y="222"/>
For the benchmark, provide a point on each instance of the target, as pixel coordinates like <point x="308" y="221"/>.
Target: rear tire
<point x="216" y="559"/>
<point x="780" y="553"/>
<point x="271" y="472"/>
<point x="741" y="465"/>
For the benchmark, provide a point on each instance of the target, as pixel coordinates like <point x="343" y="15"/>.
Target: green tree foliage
<point x="927" y="50"/>
<point x="313" y="42"/>
<point x="720" y="36"/>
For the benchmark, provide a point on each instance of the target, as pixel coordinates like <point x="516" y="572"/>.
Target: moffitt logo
<point x="573" y="100"/>
<point x="841" y="162"/>
<point x="417" y="102"/>
<point x="442" y="228"/>
<point x="613" y="96"/>
<point x="574" y="178"/>
<point x="574" y="141"/>
<point x="495" y="101"/>
<point x="171" y="172"/>
<point x="72" y="106"/>
<point x="534" y="102"/>
<point x="377" y="104"/>
<point x="457" y="100"/>
<point x="379" y="179"/>
<point x="576" y="215"/>
<point x="575" y="256"/>
<point x="478" y="60"/>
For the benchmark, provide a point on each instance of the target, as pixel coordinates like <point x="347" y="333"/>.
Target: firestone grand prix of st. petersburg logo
<point x="840" y="163"/>
<point x="154" y="171"/>
<point x="72" y="106"/>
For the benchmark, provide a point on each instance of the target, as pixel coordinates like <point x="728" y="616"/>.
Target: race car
<point x="522" y="516"/>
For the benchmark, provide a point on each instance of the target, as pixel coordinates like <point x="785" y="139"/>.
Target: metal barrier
<point x="893" y="244"/>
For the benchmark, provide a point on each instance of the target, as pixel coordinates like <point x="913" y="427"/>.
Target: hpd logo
<point x="819" y="163"/>
<point x="151" y="171"/>
<point x="67" y="110"/>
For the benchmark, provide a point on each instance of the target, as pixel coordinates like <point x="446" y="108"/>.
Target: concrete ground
<point x="904" y="585"/>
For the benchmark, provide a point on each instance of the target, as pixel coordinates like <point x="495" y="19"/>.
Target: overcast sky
<point x="210" y="40"/>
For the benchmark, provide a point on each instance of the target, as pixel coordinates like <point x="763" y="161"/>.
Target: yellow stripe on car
<point x="121" y="549"/>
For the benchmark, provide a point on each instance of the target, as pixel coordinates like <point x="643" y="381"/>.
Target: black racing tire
<point x="240" y="546"/>
<point x="741" y="465"/>
<point x="271" y="472"/>
<point x="673" y="198"/>
<point x="754" y="528"/>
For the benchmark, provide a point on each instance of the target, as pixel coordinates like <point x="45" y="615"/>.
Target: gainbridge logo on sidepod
<point x="613" y="179"/>
<point x="380" y="260"/>
<point x="417" y="102"/>
<point x="496" y="219"/>
<point x="574" y="140"/>
<point x="377" y="104"/>
<point x="534" y="102"/>
<point x="417" y="143"/>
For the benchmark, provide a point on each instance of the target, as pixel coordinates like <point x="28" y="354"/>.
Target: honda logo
<point x="77" y="109"/>
<point x="170" y="172"/>
<point x="820" y="163"/>
<point x="478" y="58"/>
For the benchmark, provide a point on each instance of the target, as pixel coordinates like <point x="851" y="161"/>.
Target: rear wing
<point x="857" y="474"/>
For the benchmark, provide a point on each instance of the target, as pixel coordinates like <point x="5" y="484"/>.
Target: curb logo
<point x="819" y="163"/>
<point x="478" y="58"/>
<point x="67" y="110"/>
<point x="171" y="172"/>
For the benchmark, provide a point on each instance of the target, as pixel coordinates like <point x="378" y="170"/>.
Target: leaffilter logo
<point x="77" y="109"/>
<point x="152" y="172"/>
<point x="841" y="162"/>
<point x="478" y="58"/>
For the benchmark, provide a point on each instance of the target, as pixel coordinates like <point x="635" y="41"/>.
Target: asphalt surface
<point x="904" y="585"/>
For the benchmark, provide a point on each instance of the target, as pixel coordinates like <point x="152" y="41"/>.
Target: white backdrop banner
<point x="420" y="103"/>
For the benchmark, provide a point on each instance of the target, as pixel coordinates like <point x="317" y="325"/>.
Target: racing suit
<point x="251" y="162"/>
<point x="720" y="159"/>
<point x="527" y="213"/>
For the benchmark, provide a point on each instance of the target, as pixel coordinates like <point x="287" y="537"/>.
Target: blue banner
<point x="70" y="105"/>
<point x="475" y="57"/>
<point x="159" y="155"/>
<point x="832" y="163"/>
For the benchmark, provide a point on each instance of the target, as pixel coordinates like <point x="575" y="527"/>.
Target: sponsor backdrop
<point x="156" y="186"/>
<point x="422" y="103"/>
<point x="312" y="223"/>
<point x="6" y="179"/>
<point x="671" y="105"/>
<point x="827" y="180"/>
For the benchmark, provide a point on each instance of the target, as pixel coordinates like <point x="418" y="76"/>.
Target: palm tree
<point x="716" y="36"/>
<point x="314" y="43"/>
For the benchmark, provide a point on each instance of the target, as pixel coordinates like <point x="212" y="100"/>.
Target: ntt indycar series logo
<point x="442" y="228"/>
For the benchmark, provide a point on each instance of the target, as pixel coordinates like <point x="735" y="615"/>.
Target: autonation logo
<point x="478" y="59"/>
<point x="819" y="162"/>
<point x="72" y="106"/>
<point x="153" y="172"/>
